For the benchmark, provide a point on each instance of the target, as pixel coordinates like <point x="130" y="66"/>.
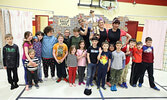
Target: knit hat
<point x="87" y="91"/>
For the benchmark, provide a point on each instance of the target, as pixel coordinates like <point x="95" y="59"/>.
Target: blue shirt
<point x="47" y="46"/>
<point x="104" y="59"/>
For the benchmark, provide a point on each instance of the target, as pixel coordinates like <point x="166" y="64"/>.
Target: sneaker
<point x="58" y="80"/>
<point x="91" y="84"/>
<point x="155" y="88"/>
<point x="108" y="83"/>
<point x="54" y="78"/>
<point x="134" y="85"/>
<point x="83" y="83"/>
<point x="65" y="80"/>
<point x="37" y="86"/>
<point x="79" y="83"/>
<point x="16" y="85"/>
<point x="40" y="80"/>
<point x="45" y="79"/>
<point x="103" y="88"/>
<point x="12" y="87"/>
<point x="114" y="88"/>
<point x="111" y="88"/>
<point x="74" y="84"/>
<point x="140" y="85"/>
<point x="30" y="86"/>
<point x="121" y="85"/>
<point x="125" y="85"/>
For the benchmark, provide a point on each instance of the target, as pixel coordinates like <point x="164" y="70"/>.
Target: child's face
<point x="61" y="39"/>
<point x="40" y="37"/>
<point x="82" y="45"/>
<point x="76" y="34"/>
<point x="81" y="22"/>
<point x="9" y="40"/>
<point x="115" y="25"/>
<point x="101" y="24"/>
<point x="118" y="46"/>
<point x="32" y="55"/>
<point x="50" y="33"/>
<point x="111" y="48"/>
<point x="139" y="46"/>
<point x="67" y="33"/>
<point x="132" y="44"/>
<point x="105" y="47"/>
<point x="94" y="42"/>
<point x="149" y="43"/>
<point x="73" y="51"/>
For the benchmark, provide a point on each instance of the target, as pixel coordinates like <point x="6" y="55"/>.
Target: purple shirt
<point x="38" y="49"/>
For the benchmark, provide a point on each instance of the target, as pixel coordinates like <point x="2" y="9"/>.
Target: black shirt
<point x="103" y="37"/>
<point x="11" y="56"/>
<point x="114" y="36"/>
<point x="66" y="41"/>
<point x="93" y="53"/>
<point x="86" y="37"/>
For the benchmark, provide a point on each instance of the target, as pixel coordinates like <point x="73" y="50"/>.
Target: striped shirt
<point x="31" y="68"/>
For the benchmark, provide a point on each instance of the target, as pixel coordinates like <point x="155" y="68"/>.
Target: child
<point x="92" y="54"/>
<point x="104" y="58"/>
<point x="60" y="52"/>
<point x="32" y="70"/>
<point x="111" y="49"/>
<point x="26" y="46"/>
<point x="128" y="52"/>
<point x="74" y="40"/>
<point x="66" y="36"/>
<point x="136" y="65"/>
<point x="148" y="60"/>
<point x="37" y="45"/>
<point x="47" y="52"/>
<point x="72" y="65"/>
<point x="11" y="60"/>
<point x="117" y="65"/>
<point x="81" y="56"/>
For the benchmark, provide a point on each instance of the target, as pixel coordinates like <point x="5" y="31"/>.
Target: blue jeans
<point x="90" y="73"/>
<point x="39" y="69"/>
<point x="25" y="72"/>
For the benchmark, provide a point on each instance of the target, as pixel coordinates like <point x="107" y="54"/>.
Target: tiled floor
<point x="50" y="90"/>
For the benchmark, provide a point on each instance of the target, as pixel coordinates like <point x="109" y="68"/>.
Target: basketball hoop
<point x="109" y="5"/>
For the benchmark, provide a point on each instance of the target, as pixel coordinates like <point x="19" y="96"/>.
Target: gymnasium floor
<point x="50" y="90"/>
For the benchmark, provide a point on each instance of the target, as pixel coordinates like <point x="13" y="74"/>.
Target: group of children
<point x="111" y="60"/>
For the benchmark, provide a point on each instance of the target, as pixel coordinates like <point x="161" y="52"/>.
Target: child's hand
<point x="35" y="65"/>
<point x="100" y="50"/>
<point x="128" y="52"/>
<point x="108" y="69"/>
<point x="68" y="68"/>
<point x="5" y="67"/>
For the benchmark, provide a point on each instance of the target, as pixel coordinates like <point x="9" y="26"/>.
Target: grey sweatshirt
<point x="72" y="61"/>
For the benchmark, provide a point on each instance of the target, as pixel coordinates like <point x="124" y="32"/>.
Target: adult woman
<point x="85" y="31"/>
<point x="115" y="34"/>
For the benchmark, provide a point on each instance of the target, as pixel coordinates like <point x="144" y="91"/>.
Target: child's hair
<point x="139" y="43"/>
<point x="76" y="29"/>
<point x="111" y="44"/>
<point x="105" y="42"/>
<point x="132" y="40"/>
<point x="26" y="35"/>
<point x="80" y="20"/>
<point x="39" y="33"/>
<point x="60" y="35"/>
<point x="148" y="39"/>
<point x="31" y="50"/>
<point x="115" y="21"/>
<point x="94" y="38"/>
<point x="71" y="48"/>
<point x="82" y="41"/>
<point x="8" y="36"/>
<point x="67" y="30"/>
<point x="101" y="19"/>
<point x="118" y="42"/>
<point x="48" y="29"/>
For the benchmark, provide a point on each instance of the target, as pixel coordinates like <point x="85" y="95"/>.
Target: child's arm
<point x="123" y="61"/>
<point x="26" y="54"/>
<point x="88" y="58"/>
<point x="109" y="64"/>
<point x="100" y="51"/>
<point x="4" y="58"/>
<point x="86" y="29"/>
<point x="18" y="57"/>
<point x="68" y="61"/>
<point x="55" y="55"/>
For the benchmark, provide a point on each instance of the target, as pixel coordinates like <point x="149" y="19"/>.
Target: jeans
<point x="90" y="73"/>
<point x="25" y="72"/>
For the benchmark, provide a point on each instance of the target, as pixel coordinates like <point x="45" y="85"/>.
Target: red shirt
<point x="124" y="49"/>
<point x="137" y="55"/>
